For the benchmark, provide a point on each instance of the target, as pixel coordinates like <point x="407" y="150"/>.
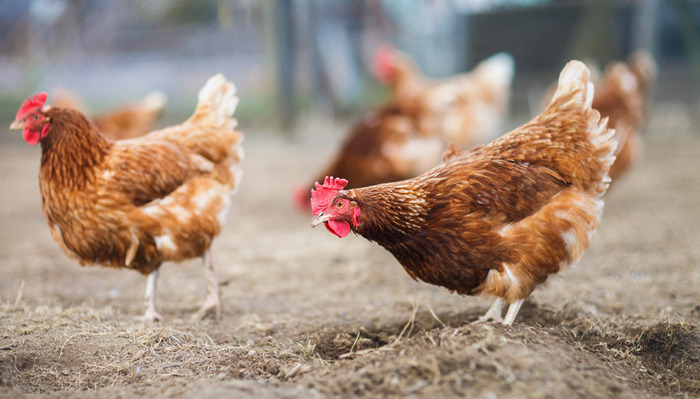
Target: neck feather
<point x="390" y="211"/>
<point x="72" y="147"/>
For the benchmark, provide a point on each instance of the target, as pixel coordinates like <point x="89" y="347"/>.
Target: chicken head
<point x="31" y="119"/>
<point x="332" y="207"/>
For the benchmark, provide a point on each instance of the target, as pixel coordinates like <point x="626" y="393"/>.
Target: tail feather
<point x="217" y="103"/>
<point x="155" y="101"/>
<point x="210" y="131"/>
<point x="569" y="137"/>
<point x="497" y="70"/>
<point x="576" y="89"/>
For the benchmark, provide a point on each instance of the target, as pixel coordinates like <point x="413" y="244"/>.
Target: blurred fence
<point x="310" y="57"/>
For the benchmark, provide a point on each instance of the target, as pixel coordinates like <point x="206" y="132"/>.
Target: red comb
<point x="300" y="195"/>
<point x="383" y="61"/>
<point x="30" y="103"/>
<point x="322" y="195"/>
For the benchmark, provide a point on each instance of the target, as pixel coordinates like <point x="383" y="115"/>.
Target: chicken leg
<point x="213" y="290"/>
<point x="512" y="312"/>
<point x="494" y="312"/>
<point x="151" y="314"/>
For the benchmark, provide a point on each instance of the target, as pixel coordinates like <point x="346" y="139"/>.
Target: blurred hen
<point x="622" y="95"/>
<point x="465" y="109"/>
<point x="124" y="122"/>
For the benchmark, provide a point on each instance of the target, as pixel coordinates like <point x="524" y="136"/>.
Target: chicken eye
<point x="340" y="204"/>
<point x="36" y="117"/>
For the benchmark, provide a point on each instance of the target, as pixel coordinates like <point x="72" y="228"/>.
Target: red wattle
<point x="338" y="227"/>
<point x="30" y="136"/>
<point x="355" y="214"/>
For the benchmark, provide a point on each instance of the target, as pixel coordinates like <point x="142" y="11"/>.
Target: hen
<point x="125" y="122"/>
<point x="465" y="109"/>
<point x="496" y="220"/>
<point x="622" y="96"/>
<point x="140" y="202"/>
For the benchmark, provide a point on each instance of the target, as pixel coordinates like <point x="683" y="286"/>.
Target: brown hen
<point x="140" y="202"/>
<point x="500" y="219"/>
<point x="464" y="109"/>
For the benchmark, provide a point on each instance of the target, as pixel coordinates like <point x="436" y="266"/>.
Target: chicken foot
<point x="212" y="301"/>
<point x="494" y="312"/>
<point x="151" y="315"/>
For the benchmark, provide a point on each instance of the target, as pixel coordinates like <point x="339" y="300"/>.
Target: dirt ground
<point x="308" y="315"/>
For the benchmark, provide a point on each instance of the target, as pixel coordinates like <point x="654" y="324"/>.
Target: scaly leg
<point x="512" y="312"/>
<point x="212" y="301"/>
<point x="494" y="312"/>
<point x="151" y="314"/>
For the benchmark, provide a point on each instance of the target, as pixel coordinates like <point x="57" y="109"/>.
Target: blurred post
<point x="594" y="37"/>
<point x="691" y="34"/>
<point x="645" y="26"/>
<point x="284" y="48"/>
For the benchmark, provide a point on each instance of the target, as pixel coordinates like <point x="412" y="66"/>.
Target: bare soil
<point x="308" y="315"/>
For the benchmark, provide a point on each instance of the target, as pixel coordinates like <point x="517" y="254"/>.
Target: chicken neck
<point x="390" y="211"/>
<point x="71" y="149"/>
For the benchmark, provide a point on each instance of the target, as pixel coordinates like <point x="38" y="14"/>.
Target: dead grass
<point x="55" y="349"/>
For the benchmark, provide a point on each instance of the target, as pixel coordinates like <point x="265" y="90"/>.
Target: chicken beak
<point x="320" y="218"/>
<point x="17" y="125"/>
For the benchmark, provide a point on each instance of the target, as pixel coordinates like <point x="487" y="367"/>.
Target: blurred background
<point x="297" y="62"/>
